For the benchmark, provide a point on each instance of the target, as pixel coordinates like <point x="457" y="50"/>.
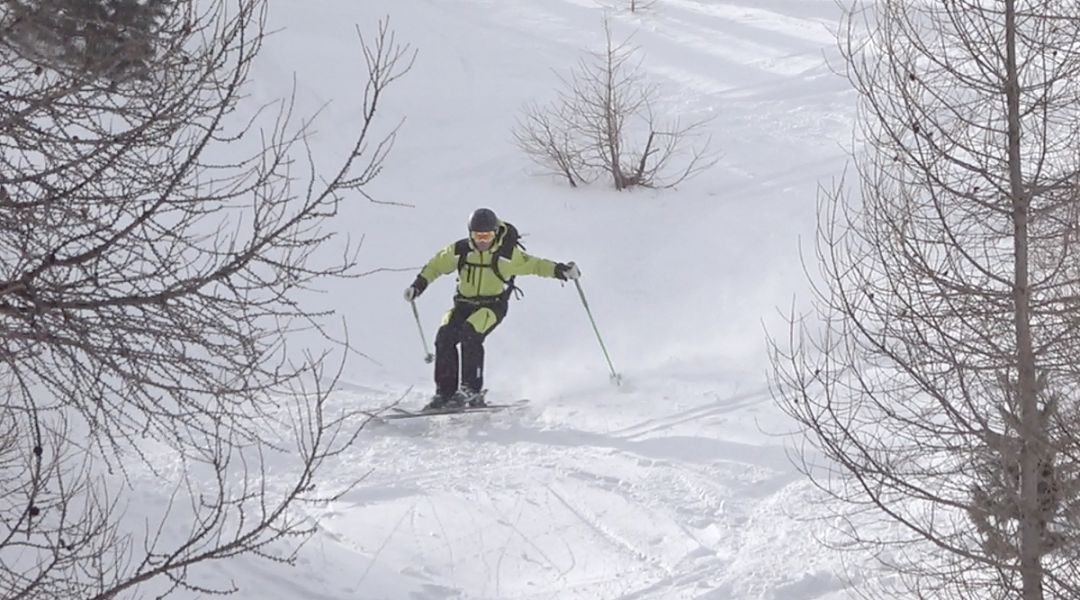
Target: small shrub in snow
<point x="603" y="124"/>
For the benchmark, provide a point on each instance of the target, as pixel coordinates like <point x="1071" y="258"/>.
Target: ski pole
<point x="428" y="357"/>
<point x="614" y="376"/>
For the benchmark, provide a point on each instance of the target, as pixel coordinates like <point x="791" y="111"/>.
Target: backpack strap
<point x="462" y="249"/>
<point x="509" y="241"/>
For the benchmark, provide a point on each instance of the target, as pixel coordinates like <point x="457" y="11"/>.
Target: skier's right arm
<point x="443" y="263"/>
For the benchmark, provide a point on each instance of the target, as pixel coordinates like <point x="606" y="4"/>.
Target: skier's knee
<point x="482" y="321"/>
<point x="446" y="337"/>
<point x="469" y="335"/>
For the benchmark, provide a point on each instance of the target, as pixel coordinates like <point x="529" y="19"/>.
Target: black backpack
<point x="510" y="239"/>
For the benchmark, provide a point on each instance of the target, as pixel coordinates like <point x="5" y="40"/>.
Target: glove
<point x="567" y="271"/>
<point x="414" y="290"/>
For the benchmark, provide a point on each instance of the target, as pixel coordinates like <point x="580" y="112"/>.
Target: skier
<point x="486" y="263"/>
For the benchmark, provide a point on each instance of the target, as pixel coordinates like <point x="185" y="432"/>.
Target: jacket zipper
<point x="480" y="275"/>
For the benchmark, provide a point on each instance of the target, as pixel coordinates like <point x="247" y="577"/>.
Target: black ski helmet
<point x="483" y="219"/>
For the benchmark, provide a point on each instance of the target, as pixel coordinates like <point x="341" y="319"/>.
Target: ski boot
<point x="473" y="398"/>
<point x="445" y="402"/>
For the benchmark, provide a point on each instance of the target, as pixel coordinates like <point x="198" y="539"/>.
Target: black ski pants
<point x="467" y="324"/>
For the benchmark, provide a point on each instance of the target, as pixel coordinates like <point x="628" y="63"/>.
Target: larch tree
<point x="937" y="379"/>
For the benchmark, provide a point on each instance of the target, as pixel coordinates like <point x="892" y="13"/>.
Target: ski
<point x="401" y="413"/>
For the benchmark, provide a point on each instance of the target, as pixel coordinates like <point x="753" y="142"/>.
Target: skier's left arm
<point x="521" y="263"/>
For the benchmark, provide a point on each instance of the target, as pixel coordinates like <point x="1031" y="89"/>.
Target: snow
<point x="676" y="484"/>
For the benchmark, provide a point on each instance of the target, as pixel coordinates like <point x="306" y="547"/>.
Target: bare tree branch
<point x="937" y="374"/>
<point x="148" y="287"/>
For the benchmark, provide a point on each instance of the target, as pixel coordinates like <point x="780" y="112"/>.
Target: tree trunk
<point x="1030" y="424"/>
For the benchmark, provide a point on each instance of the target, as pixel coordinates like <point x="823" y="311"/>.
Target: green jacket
<point x="477" y="278"/>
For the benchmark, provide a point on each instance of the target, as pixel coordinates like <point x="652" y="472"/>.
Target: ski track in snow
<point x="524" y="510"/>
<point x="668" y="491"/>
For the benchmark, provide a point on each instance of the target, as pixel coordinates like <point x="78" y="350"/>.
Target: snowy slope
<point x="672" y="486"/>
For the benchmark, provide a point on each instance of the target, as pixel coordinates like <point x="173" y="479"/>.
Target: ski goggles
<point x="482" y="236"/>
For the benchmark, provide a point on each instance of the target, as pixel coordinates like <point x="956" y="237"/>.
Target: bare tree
<point x="939" y="378"/>
<point x="634" y="5"/>
<point x="603" y="124"/>
<point x="638" y="5"/>
<point x="147" y="291"/>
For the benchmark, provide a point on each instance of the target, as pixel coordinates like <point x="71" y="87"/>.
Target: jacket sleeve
<point x="521" y="263"/>
<point x="443" y="263"/>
